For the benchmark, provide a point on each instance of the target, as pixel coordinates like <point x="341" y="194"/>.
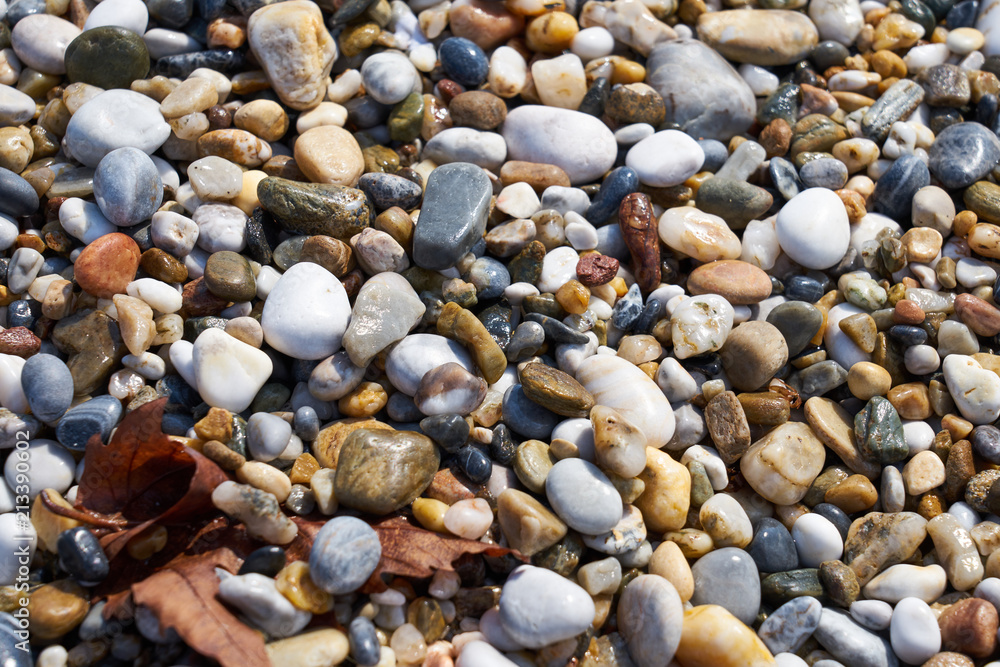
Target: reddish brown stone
<point x="595" y="269"/>
<point x="908" y="312"/>
<point x="978" y="315"/>
<point x="107" y="265"/>
<point x="19" y="341"/>
<point x="198" y="301"/>
<point x="741" y="283"/>
<point x="449" y="488"/>
<point x="969" y="626"/>
<point x="639" y="228"/>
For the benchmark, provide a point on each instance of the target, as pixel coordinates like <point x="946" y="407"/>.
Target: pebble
<point x="727" y="577"/>
<point x="115" y="119"/>
<point x="257" y="597"/>
<point x="652" y="619"/>
<point x="583" y="497"/>
<point x="381" y="471"/>
<point x="127" y="187"/>
<point x="814" y="241"/>
<point x="227" y="372"/>
<point x="345" y="552"/>
<point x="307" y="313"/>
<point x="456" y="204"/>
<point x="665" y="159"/>
<point x="539" y="608"/>
<point x="562" y="142"/>
<point x="777" y="37"/>
<point x="791" y="624"/>
<point x="914" y="631"/>
<point x="981" y="148"/>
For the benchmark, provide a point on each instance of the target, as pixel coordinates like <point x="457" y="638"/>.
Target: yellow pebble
<point x="298" y="587"/>
<point x="430" y="513"/>
<point x="148" y="542"/>
<point x="366" y="399"/>
<point x="574" y="297"/>
<point x="552" y="32"/>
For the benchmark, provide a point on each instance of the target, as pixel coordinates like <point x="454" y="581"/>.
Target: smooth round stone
<point x="381" y="471"/>
<point x="753" y="353"/>
<point x="268" y="561"/>
<point x="538" y="607"/>
<point x="15" y="107"/>
<point x="95" y="417"/>
<point x="580" y="144"/>
<point x="52" y="467"/>
<point x="816" y="540"/>
<point x="449" y="388"/>
<point x="228" y="275"/>
<point x="388" y="190"/>
<point x="583" y="496"/>
<point x="345" y="552"/>
<point x="775" y="37"/>
<point x="267" y="436"/>
<point x="839" y="21"/>
<point x="306" y="313"/>
<point x="40" y="41"/>
<point x="417" y="354"/>
<point x="389" y="77"/>
<point x="127" y="186"/>
<point x="464" y="61"/>
<point x="81" y="555"/>
<point x="107" y="57"/>
<point x="872" y="614"/>
<point x="728" y="577"/>
<point x="259" y="600"/>
<point x="914" y="631"/>
<point x="526" y="417"/>
<point x="791" y="624"/>
<point x="129" y="14"/>
<point x="798" y="322"/>
<point x="115" y="119"/>
<point x="963" y="154"/>
<point x="17" y="197"/>
<point x="829" y="173"/>
<point x="48" y="386"/>
<point x="772" y="547"/>
<point x="464" y="144"/>
<point x="813" y="228"/>
<point x="703" y="94"/>
<point x="650" y="617"/>
<point x="480" y="654"/>
<point x="665" y="159"/>
<point x="895" y="189"/>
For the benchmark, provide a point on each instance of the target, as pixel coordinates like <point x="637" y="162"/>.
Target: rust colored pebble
<point x="977" y="314"/>
<point x="595" y="269"/>
<point x="107" y="265"/>
<point x="908" y="312"/>
<point x="638" y="225"/>
<point x="19" y="341"/>
<point x="198" y="301"/>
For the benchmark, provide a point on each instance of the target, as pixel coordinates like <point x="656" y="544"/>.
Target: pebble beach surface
<point x="689" y="303"/>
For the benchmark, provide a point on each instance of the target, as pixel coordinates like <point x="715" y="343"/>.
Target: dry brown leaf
<point x="183" y="597"/>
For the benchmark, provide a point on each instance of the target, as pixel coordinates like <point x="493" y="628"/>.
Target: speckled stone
<point x="963" y="154"/>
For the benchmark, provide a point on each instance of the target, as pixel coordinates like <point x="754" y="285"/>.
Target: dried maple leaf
<point x="407" y="550"/>
<point x="142" y="477"/>
<point x="183" y="597"/>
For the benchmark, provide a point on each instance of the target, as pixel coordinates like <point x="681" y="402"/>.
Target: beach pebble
<point x="538" y="607"/>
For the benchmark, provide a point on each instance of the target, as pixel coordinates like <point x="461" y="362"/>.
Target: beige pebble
<point x="16" y="148"/>
<point x="665" y="501"/>
<point x="194" y="94"/>
<point x="265" y="118"/>
<point x="925" y="471"/>
<point x="329" y="154"/>
<point x="669" y="562"/>
<point x="866" y="380"/>
<point x="956" y="551"/>
<point x="781" y="465"/>
<point x="266" y="478"/>
<point x="724" y="519"/>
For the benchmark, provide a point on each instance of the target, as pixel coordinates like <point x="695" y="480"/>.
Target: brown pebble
<point x="226" y="458"/>
<point x="911" y="400"/>
<point x="488" y="24"/>
<point x="536" y="174"/>
<point x="764" y="408"/>
<point x="478" y="109"/>
<point x="639" y="228"/>
<point x="57" y="608"/>
<point x="978" y="315"/>
<point x="740" y="283"/>
<point x="198" y="300"/>
<point x="450" y="486"/>
<point x="332" y="254"/>
<point x="107" y="265"/>
<point x="908" y="312"/>
<point x="163" y="266"/>
<point x="596" y="269"/>
<point x="728" y="427"/>
<point x="970" y="627"/>
<point x="776" y="137"/>
<point x="839" y="583"/>
<point x="854" y="494"/>
<point x="854" y="203"/>
<point x="949" y="659"/>
<point x="19" y="341"/>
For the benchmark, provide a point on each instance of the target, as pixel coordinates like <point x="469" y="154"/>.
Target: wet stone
<point x="453" y="217"/>
<point x="979" y="150"/>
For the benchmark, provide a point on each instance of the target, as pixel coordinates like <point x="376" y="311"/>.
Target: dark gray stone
<point x="388" y="190"/>
<point x="772" y="547"/>
<point x="894" y="104"/>
<point x="798" y="322"/>
<point x="453" y="217"/>
<point x="894" y="191"/>
<point x="17" y="197"/>
<point x="524" y="416"/>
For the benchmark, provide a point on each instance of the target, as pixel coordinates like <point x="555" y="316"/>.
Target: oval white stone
<point x="580" y="144"/>
<point x="813" y="228"/>
<point x="228" y="373"/>
<point x="538" y="607"/>
<point x="306" y="313"/>
<point x="665" y="159"/>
